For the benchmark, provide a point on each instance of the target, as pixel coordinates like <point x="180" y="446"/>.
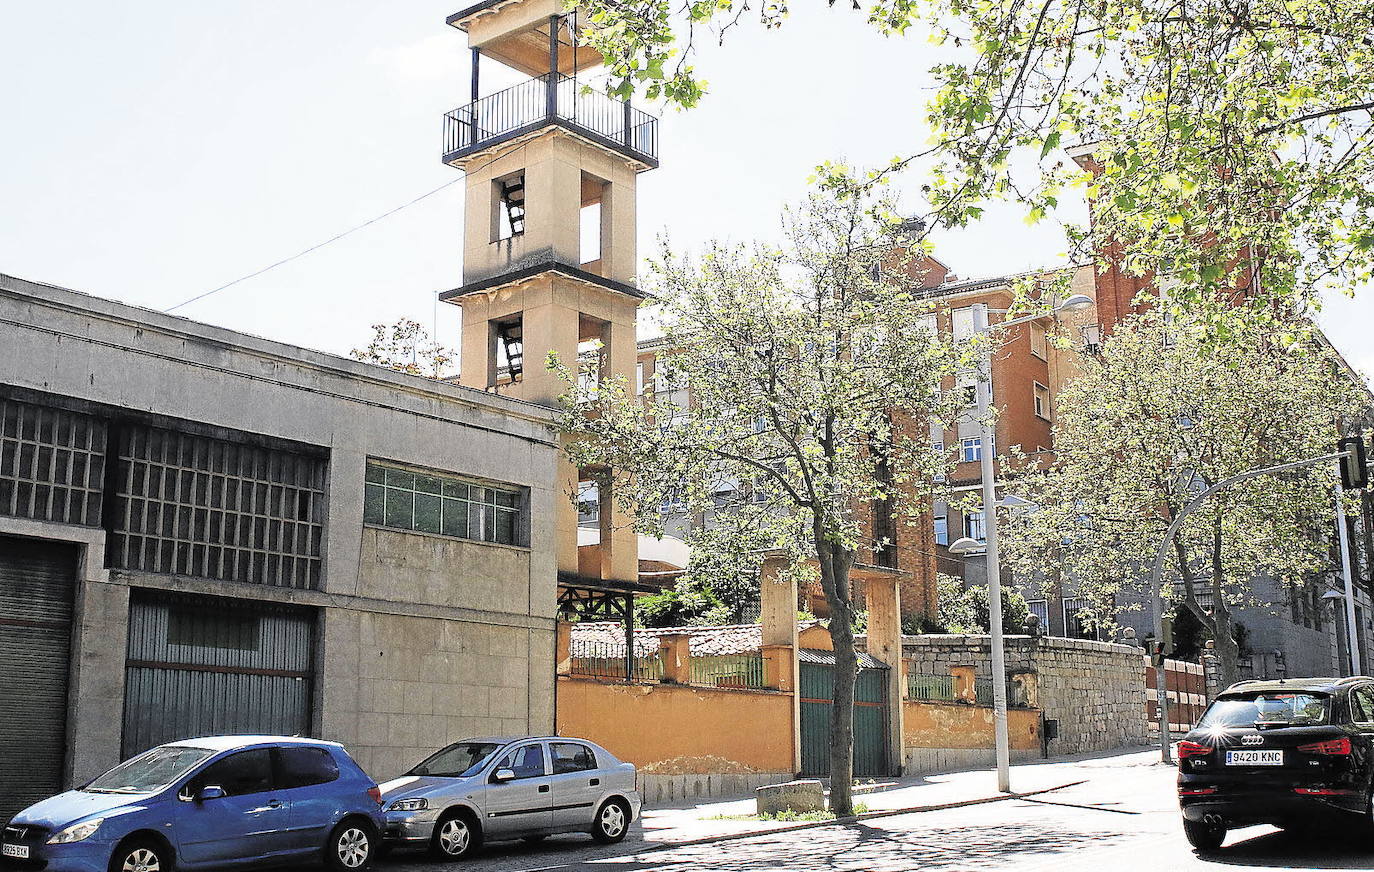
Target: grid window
<point x="426" y="502"/>
<point x="941" y="530"/>
<point x="1038" y="340"/>
<point x="1074" y="625"/>
<point x="974" y="526"/>
<point x="52" y="464"/>
<point x="193" y="505"/>
<point x="971" y="450"/>
<point x="1041" y="609"/>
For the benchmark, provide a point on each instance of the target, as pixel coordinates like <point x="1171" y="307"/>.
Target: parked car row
<point x="239" y="801"/>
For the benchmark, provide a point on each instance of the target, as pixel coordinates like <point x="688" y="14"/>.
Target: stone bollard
<point x="796" y="796"/>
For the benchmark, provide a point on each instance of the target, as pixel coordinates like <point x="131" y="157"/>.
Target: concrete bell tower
<point x="549" y="259"/>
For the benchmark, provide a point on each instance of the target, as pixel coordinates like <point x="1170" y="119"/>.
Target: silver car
<point x="510" y="788"/>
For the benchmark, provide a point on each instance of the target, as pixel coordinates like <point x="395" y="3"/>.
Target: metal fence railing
<point x="550" y="97"/>
<point x="930" y="688"/>
<point x="940" y="688"/>
<point x="731" y="670"/>
<point x="600" y="660"/>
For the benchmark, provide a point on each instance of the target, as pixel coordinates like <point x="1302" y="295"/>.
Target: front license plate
<point x="19" y="852"/>
<point x="1254" y="758"/>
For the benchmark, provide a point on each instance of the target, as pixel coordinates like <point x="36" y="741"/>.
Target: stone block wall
<point x="1096" y="690"/>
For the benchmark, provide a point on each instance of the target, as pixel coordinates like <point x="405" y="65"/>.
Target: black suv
<point x="1288" y="752"/>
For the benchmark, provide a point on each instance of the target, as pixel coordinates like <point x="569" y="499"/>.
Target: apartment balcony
<point x="552" y="99"/>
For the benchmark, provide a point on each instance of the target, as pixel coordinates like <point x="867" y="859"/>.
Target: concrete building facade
<point x="203" y="531"/>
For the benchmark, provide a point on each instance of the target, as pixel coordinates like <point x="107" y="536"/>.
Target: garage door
<point x="205" y="666"/>
<point x="37" y="581"/>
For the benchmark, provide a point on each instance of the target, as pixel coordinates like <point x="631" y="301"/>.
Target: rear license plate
<point x="1254" y="758"/>
<point x="19" y="852"/>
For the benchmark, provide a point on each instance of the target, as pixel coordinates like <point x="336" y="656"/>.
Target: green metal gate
<point x="870" y="715"/>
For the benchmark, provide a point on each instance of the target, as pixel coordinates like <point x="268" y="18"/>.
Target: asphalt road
<point x="1122" y="818"/>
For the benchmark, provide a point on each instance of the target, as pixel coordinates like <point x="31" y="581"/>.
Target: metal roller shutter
<point x="206" y="666"/>
<point x="37" y="584"/>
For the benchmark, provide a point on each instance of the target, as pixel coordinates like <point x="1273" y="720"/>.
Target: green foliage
<point x="1158" y="416"/>
<point x="966" y="610"/>
<point x="684" y="605"/>
<point x="794" y="359"/>
<point x="1227" y="138"/>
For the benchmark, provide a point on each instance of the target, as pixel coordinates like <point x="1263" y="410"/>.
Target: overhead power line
<point x="314" y="247"/>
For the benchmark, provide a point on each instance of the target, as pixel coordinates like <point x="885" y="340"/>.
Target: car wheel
<point x="352" y="846"/>
<point x="1204" y="837"/>
<point x="612" y="822"/>
<point x="143" y="855"/>
<point x="455" y="837"/>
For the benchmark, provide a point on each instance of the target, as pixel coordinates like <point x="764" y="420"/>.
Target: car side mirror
<point x="500" y="776"/>
<point x="211" y="791"/>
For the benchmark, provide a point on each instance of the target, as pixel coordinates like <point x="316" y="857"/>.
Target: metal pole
<point x="1157" y="571"/>
<point x="1352" y="643"/>
<point x="551" y="94"/>
<point x="1161" y="675"/>
<point x="999" y="668"/>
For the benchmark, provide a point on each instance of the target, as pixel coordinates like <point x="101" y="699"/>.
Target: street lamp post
<point x="1351" y="630"/>
<point x="965" y="545"/>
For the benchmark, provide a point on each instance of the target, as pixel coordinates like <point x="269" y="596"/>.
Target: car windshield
<point x="458" y="760"/>
<point x="150" y="771"/>
<point x="1269" y="707"/>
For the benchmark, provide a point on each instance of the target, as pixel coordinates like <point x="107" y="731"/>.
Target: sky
<point x="156" y="150"/>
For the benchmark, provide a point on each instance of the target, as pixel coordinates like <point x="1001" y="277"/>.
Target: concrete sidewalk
<point x="686" y="823"/>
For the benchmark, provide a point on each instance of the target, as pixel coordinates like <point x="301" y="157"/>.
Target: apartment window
<point x="1041" y="609"/>
<point x="639" y="379"/>
<point x="975" y="526"/>
<point x="1038" y="340"/>
<point x="971" y="449"/>
<point x="938" y="449"/>
<point x="941" y="530"/>
<point x="1074" y="626"/>
<point x="967" y="386"/>
<point x="427" y="502"/>
<point x="1042" y="401"/>
<point x="961" y="323"/>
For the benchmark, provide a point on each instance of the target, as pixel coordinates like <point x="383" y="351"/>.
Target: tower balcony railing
<point x="552" y="98"/>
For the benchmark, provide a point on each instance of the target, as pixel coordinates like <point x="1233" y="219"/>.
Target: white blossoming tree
<point x="1160" y="414"/>
<point x="811" y="375"/>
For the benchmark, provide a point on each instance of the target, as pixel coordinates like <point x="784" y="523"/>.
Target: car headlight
<point x="77" y="832"/>
<point x="409" y="805"/>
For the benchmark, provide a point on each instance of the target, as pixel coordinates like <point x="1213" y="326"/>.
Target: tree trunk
<point x="1223" y="634"/>
<point x="835" y="565"/>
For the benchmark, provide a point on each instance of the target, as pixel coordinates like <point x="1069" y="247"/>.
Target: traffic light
<point x="1157" y="654"/>
<point x="1354" y="468"/>
<point x="1168" y="645"/>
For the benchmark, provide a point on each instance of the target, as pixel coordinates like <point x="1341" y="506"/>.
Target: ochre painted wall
<point x="950" y="725"/>
<point x="667" y="729"/>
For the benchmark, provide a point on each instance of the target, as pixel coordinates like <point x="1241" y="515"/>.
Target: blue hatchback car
<point x="222" y="802"/>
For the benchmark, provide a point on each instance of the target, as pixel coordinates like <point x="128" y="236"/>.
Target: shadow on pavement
<point x="859" y="846"/>
<point x="1288" y="850"/>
